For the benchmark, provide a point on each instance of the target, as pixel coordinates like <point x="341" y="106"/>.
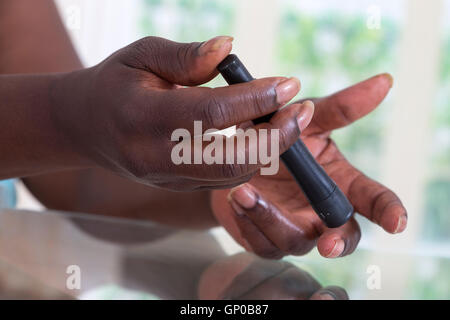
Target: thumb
<point x="187" y="64"/>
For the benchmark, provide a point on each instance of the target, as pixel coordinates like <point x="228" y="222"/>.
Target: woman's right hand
<point x="121" y="114"/>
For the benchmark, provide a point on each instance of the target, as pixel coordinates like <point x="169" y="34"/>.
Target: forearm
<point x="33" y="39"/>
<point x="26" y="27"/>
<point x="30" y="141"/>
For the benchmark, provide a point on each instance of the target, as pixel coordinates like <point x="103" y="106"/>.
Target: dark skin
<point x="118" y="115"/>
<point x="122" y="116"/>
<point x="88" y="188"/>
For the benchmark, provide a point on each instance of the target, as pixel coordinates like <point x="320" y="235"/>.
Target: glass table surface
<point x="57" y="255"/>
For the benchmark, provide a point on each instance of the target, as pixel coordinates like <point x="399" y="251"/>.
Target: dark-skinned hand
<point x="121" y="114"/>
<point x="271" y="217"/>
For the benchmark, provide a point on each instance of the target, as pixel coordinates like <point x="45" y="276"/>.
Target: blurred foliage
<point x="441" y="115"/>
<point x="437" y="210"/>
<point x="333" y="43"/>
<point x="340" y="47"/>
<point x="430" y="280"/>
<point x="437" y="192"/>
<point x="195" y="20"/>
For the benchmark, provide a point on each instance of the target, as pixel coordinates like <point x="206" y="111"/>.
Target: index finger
<point x="223" y="107"/>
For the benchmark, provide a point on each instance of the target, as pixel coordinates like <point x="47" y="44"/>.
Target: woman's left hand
<point x="271" y="217"/>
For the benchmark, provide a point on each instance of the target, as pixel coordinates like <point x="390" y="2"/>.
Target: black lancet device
<point x="327" y="200"/>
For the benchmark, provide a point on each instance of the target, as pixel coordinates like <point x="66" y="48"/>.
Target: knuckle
<point x="143" y="45"/>
<point x="296" y="245"/>
<point x="266" y="215"/>
<point x="139" y="52"/>
<point x="264" y="96"/>
<point x="344" y="112"/>
<point x="288" y="134"/>
<point x="262" y="102"/>
<point x="184" y="56"/>
<point x="214" y="112"/>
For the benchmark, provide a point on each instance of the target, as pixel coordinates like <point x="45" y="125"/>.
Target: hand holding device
<point x="322" y="192"/>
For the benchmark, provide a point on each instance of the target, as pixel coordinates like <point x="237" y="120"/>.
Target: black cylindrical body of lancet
<point x="327" y="200"/>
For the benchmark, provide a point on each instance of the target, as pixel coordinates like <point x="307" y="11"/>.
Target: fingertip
<point x="213" y="51"/>
<point x="306" y="114"/>
<point x="401" y="224"/>
<point x="244" y="196"/>
<point x="287" y="90"/>
<point x="216" y="46"/>
<point x="380" y="85"/>
<point x="394" y="219"/>
<point x="209" y="55"/>
<point x="389" y="78"/>
<point x="330" y="293"/>
<point x="375" y="89"/>
<point x="323" y="295"/>
<point x="331" y="247"/>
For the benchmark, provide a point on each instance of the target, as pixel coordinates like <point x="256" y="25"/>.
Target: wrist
<point x="67" y="104"/>
<point x="30" y="142"/>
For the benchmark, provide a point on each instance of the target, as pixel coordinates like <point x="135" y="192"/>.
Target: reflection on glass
<point x="135" y="259"/>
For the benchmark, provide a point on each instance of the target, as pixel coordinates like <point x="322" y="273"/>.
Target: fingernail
<point x="338" y="249"/>
<point x="287" y="90"/>
<point x="237" y="208"/>
<point x="244" y="196"/>
<point x="305" y="115"/>
<point x="214" y="44"/>
<point x="324" y="294"/>
<point x="390" y="79"/>
<point x="401" y="224"/>
<point x="327" y="296"/>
